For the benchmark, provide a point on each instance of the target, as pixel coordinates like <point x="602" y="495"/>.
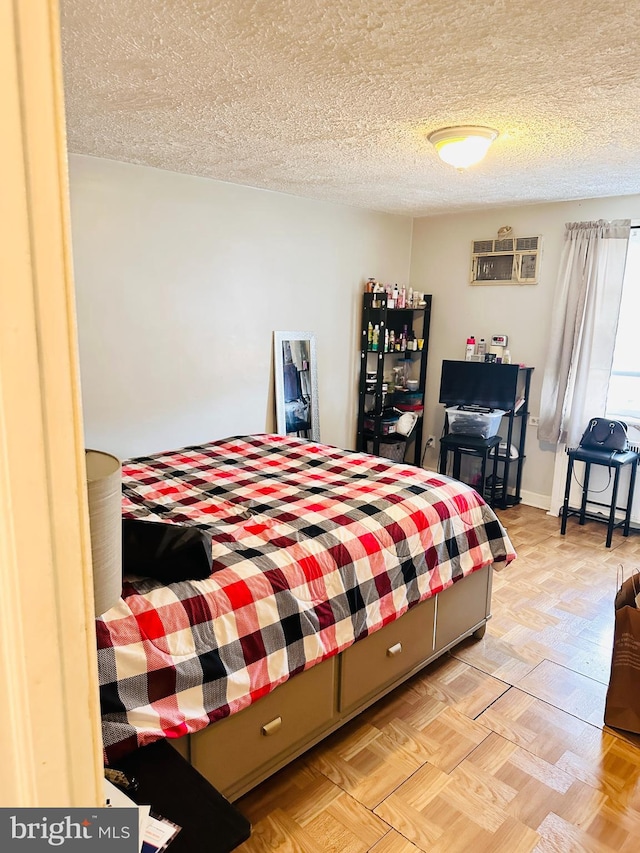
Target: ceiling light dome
<point x="462" y="146"/>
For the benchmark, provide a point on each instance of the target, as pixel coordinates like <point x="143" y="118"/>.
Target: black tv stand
<point x="481" y="448"/>
<point x="500" y="483"/>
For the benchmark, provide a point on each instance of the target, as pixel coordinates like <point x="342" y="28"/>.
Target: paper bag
<point x="622" y="705"/>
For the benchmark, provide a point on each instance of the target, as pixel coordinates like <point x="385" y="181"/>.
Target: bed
<point x="335" y="576"/>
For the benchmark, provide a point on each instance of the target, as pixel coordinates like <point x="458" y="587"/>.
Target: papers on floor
<point x="158" y="834"/>
<point x="154" y="831"/>
<point x="116" y="798"/>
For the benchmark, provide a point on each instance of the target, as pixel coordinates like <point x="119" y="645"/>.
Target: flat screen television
<point x="477" y="383"/>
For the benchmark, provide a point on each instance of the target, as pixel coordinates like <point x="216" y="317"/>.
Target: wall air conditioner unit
<point x="512" y="260"/>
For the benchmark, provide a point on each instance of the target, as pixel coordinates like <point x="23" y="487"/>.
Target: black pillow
<point x="166" y="552"/>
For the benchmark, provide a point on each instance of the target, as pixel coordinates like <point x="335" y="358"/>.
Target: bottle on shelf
<point x="471" y="347"/>
<point x="506" y="357"/>
<point x="481" y="349"/>
<point x="390" y="300"/>
<point x="398" y="334"/>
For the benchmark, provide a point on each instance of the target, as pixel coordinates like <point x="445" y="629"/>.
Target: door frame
<point x="50" y="735"/>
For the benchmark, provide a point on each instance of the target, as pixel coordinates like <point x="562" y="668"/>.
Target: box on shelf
<point x="465" y="421"/>
<point x="388" y="425"/>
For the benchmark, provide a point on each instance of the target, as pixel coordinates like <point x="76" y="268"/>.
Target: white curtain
<point x="583" y="328"/>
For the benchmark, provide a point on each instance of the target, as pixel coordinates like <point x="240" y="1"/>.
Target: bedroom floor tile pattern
<point x="499" y="746"/>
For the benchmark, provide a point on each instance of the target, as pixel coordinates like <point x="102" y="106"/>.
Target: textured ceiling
<point x="332" y="99"/>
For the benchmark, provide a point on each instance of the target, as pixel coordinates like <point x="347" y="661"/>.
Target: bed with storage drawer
<point x="334" y="577"/>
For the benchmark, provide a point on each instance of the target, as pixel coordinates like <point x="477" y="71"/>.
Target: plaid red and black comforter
<point x="313" y="548"/>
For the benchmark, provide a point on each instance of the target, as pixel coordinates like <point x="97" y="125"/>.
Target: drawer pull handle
<point x="394" y="650"/>
<point x="272" y="727"/>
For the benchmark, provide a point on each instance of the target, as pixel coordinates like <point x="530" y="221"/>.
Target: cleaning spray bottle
<point x="471" y="348"/>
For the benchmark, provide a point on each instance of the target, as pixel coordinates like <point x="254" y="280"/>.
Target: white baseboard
<point x="536" y="500"/>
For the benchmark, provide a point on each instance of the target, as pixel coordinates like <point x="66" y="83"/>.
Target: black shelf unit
<point x="373" y="401"/>
<point x="505" y="492"/>
<point x="516" y="420"/>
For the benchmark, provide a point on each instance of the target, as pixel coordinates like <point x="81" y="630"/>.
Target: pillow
<point x="166" y="552"/>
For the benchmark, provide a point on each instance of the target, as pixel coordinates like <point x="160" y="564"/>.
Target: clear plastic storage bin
<point x="477" y="424"/>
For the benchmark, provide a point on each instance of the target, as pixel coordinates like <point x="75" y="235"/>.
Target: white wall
<point x="181" y="282"/>
<point x="440" y="264"/>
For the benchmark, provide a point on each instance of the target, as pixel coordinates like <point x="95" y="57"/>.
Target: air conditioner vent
<point x="506" y="261"/>
<point x="525" y="244"/>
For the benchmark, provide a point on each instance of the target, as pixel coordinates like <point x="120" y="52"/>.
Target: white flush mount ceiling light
<point x="462" y="146"/>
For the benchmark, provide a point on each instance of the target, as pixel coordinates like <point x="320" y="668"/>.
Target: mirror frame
<point x="279" y="340"/>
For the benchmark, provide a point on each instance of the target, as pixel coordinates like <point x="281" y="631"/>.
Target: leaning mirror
<point x="296" y="384"/>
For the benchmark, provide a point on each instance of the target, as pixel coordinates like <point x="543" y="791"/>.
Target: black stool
<point x="615" y="460"/>
<point x="471" y="445"/>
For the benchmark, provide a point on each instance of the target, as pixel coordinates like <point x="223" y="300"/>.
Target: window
<point x="623" y="399"/>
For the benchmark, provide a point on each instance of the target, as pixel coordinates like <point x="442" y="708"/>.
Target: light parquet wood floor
<point x="499" y="746"/>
